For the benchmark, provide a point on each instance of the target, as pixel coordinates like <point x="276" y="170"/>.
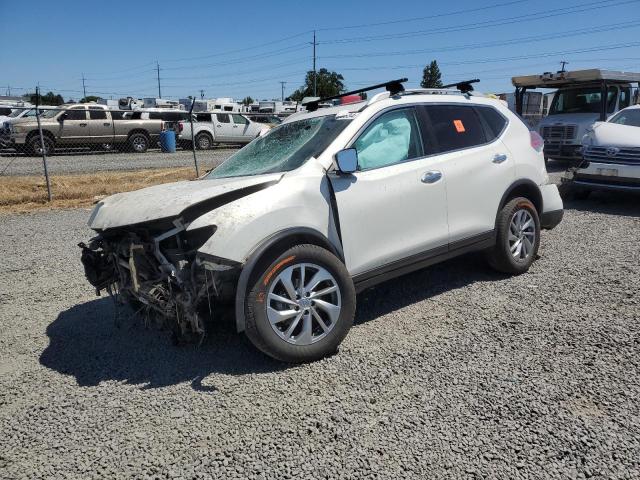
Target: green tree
<point x="49" y="98"/>
<point x="246" y="101"/>
<point x="431" y="76"/>
<point x="328" y="84"/>
<point x="89" y="98"/>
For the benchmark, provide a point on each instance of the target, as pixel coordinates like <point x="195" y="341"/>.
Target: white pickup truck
<point x="211" y="128"/>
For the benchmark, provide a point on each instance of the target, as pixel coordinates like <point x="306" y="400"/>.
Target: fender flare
<point x="519" y="183"/>
<point x="256" y="255"/>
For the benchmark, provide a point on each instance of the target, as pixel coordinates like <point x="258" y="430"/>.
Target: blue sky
<point x="239" y="48"/>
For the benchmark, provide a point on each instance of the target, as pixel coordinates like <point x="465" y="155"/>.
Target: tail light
<point x="537" y="142"/>
<point x="161" y="126"/>
<point x="180" y="127"/>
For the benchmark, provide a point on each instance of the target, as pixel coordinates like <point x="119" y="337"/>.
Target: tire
<point x="581" y="193"/>
<point x="35" y="147"/>
<point x="299" y="337"/>
<point x="517" y="224"/>
<point x="139" y="142"/>
<point x="204" y="141"/>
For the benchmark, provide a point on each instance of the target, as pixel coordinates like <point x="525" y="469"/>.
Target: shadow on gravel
<point x="423" y="284"/>
<point x="610" y="203"/>
<point x="85" y="342"/>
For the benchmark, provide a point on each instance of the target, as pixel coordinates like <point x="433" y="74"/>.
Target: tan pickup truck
<point x="86" y="125"/>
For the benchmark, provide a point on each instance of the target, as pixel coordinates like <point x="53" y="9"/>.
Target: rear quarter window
<point x="455" y="127"/>
<point x="494" y="120"/>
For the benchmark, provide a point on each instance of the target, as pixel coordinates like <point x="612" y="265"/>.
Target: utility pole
<point x="158" y="69"/>
<point x="201" y="93"/>
<point x="282" y="84"/>
<point x="84" y="88"/>
<point x="563" y="63"/>
<point x="315" y="74"/>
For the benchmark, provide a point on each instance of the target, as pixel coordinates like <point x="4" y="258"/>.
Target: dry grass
<point x="28" y="193"/>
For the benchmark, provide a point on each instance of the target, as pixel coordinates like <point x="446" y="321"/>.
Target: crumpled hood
<point x="615" y="135"/>
<point x="188" y="199"/>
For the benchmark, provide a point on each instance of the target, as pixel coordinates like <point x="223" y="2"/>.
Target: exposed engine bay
<point x="157" y="270"/>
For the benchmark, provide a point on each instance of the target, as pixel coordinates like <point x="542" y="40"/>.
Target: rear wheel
<point x="139" y="142"/>
<point x="517" y="237"/>
<point x="301" y="305"/>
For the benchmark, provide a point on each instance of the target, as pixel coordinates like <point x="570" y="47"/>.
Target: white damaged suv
<point x="328" y="203"/>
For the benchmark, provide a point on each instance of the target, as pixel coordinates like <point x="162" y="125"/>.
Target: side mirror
<point x="63" y="116"/>
<point x="347" y="160"/>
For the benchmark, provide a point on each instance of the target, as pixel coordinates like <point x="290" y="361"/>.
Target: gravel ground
<point x="451" y="372"/>
<point x="94" y="161"/>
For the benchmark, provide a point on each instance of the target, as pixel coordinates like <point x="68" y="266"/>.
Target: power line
<point x="513" y="41"/>
<point x="428" y="17"/>
<point x="545" y="14"/>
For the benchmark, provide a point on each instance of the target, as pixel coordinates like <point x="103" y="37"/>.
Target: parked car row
<point x="95" y="125"/>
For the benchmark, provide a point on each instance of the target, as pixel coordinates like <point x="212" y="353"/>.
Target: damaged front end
<point x="158" y="270"/>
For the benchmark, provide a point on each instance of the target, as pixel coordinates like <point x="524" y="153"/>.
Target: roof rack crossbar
<point x="393" y="87"/>
<point x="464" y="86"/>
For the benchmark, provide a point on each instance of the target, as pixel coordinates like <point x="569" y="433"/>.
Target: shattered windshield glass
<point x="286" y="147"/>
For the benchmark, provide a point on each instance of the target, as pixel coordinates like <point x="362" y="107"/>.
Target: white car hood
<point x="614" y="134"/>
<point x="173" y="199"/>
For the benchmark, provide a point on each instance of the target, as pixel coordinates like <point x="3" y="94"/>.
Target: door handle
<point x="499" y="158"/>
<point x="83" y="124"/>
<point x="432" y="176"/>
<point x="106" y="124"/>
<point x="218" y="126"/>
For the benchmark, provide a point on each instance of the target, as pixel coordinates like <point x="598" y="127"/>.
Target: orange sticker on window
<point x="459" y="126"/>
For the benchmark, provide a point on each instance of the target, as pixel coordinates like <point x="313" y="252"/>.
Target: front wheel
<point x="301" y="305"/>
<point x="517" y="237"/>
<point x="37" y="147"/>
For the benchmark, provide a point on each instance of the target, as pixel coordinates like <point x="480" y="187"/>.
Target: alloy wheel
<point x="303" y="304"/>
<point x="522" y="235"/>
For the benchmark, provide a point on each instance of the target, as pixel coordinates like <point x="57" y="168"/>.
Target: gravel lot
<point x="94" y="161"/>
<point x="451" y="372"/>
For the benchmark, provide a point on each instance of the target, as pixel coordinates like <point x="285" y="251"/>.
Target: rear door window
<point x="455" y="127"/>
<point x="97" y="113"/>
<point x="203" y="117"/>
<point x="223" y="117"/>
<point x="76" y="114"/>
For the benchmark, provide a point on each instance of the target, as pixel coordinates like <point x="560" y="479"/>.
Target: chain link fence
<point x="41" y="142"/>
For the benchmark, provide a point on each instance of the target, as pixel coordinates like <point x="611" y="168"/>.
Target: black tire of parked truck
<point x="305" y="320"/>
<point x="204" y="141"/>
<point x="34" y="146"/>
<point x="139" y="142"/>
<point x="517" y="237"/>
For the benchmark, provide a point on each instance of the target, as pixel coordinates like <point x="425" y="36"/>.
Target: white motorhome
<point x="161" y="103"/>
<point x="225" y="104"/>
<point x="582" y="98"/>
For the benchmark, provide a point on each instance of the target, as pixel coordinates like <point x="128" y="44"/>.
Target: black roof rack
<point x="464" y="86"/>
<point x="392" y="86"/>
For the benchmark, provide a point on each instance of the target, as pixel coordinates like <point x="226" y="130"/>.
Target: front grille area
<point x="619" y="156"/>
<point x="554" y="133"/>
